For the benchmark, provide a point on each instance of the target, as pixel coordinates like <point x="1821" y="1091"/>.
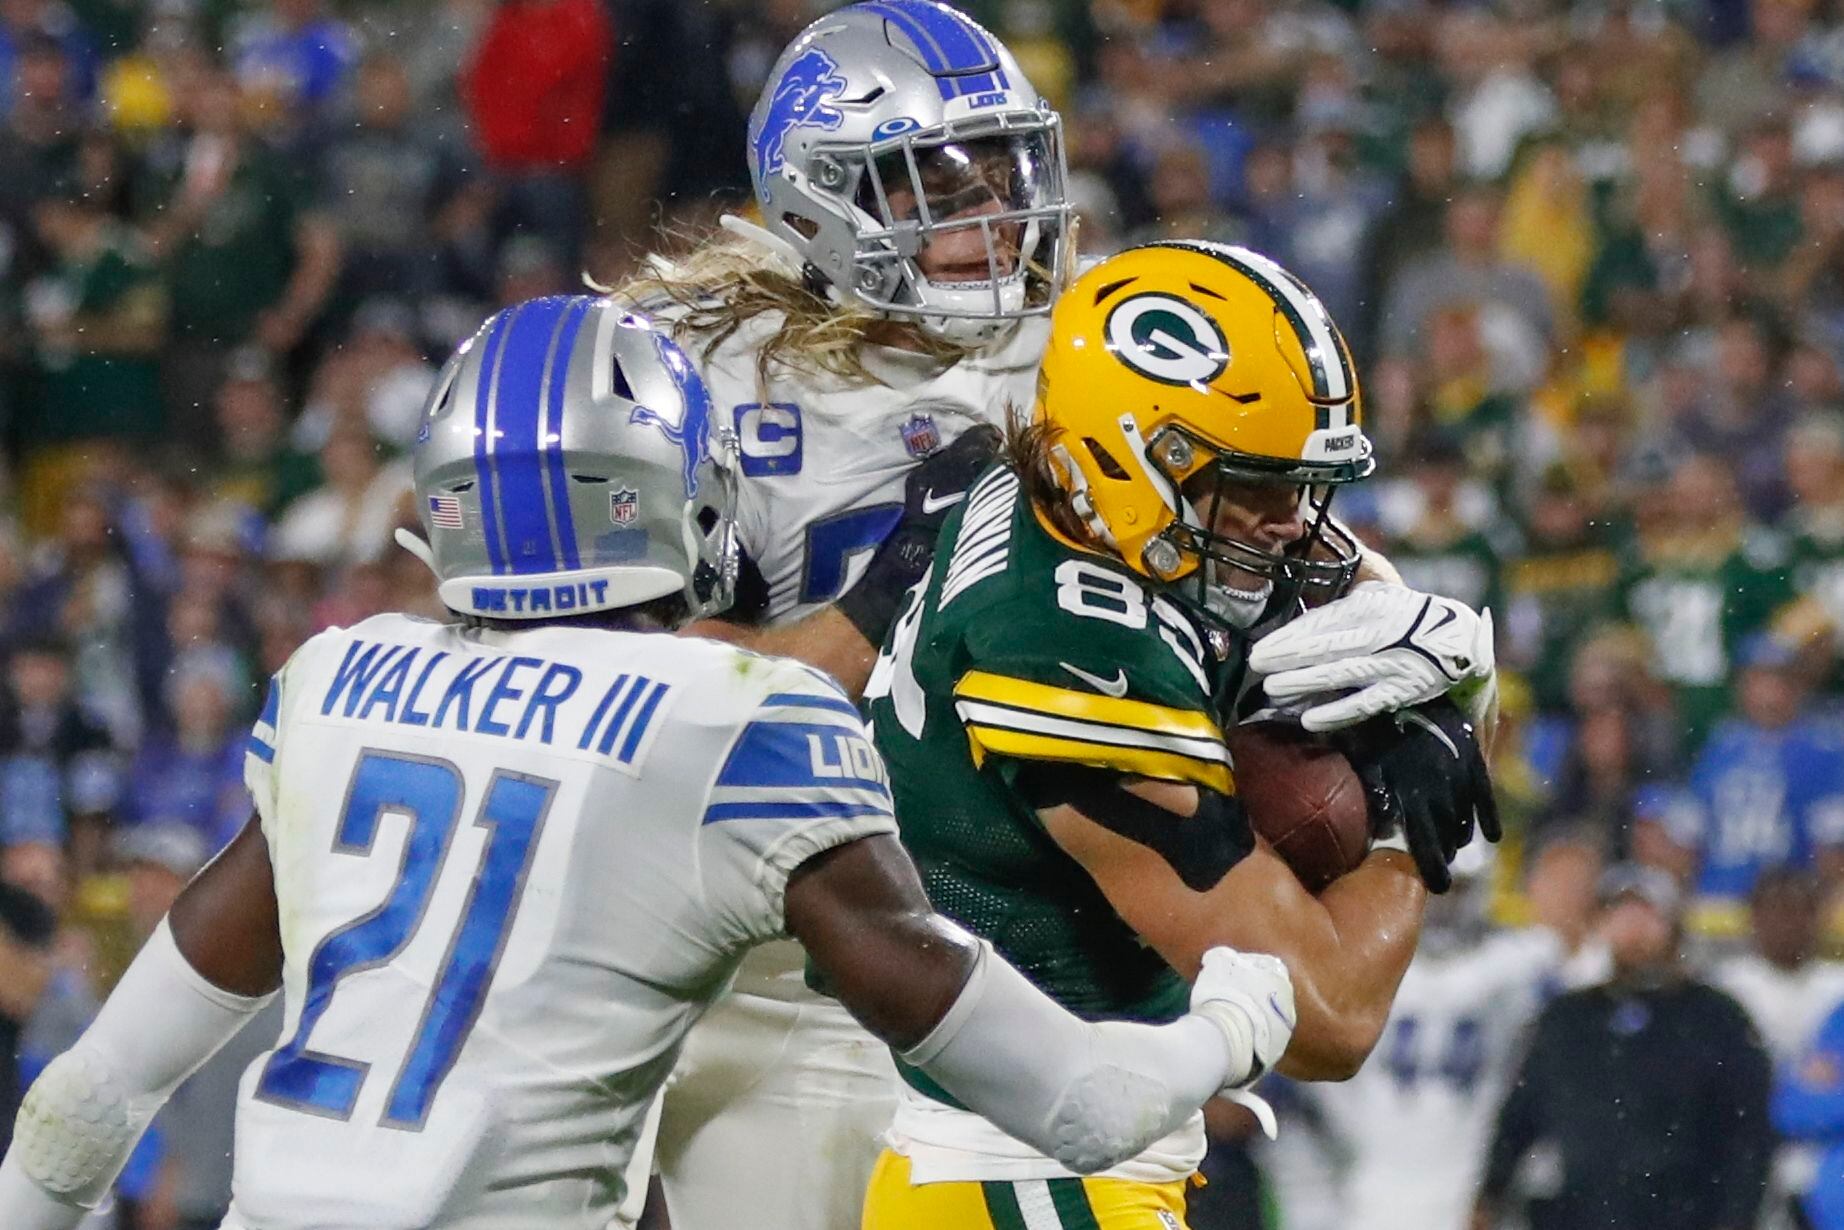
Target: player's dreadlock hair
<point x="721" y="282"/>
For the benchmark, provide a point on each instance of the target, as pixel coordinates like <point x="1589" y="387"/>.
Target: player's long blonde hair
<point x="721" y="282"/>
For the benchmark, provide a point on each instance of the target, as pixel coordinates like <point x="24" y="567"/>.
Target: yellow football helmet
<point x="1173" y="359"/>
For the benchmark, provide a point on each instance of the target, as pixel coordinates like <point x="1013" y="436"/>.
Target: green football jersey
<point x="1698" y="609"/>
<point x="1021" y="649"/>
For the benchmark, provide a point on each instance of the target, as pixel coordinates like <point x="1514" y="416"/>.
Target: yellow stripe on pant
<point x="894" y="1203"/>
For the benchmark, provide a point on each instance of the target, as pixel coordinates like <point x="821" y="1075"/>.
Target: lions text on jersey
<point x="512" y="869"/>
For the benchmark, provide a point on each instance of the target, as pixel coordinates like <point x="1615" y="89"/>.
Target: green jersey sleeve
<point x="1094" y="669"/>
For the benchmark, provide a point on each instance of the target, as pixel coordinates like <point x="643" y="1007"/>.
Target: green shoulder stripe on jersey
<point x="1035" y="721"/>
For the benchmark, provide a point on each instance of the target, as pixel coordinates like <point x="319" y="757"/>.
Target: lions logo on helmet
<point x="800" y="97"/>
<point x="568" y="462"/>
<point x="1176" y="364"/>
<point x="691" y="434"/>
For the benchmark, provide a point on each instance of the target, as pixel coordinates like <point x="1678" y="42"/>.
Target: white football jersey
<point x="1787" y="1006"/>
<point x="824" y="461"/>
<point x="512" y="870"/>
<point x="1416" y="1121"/>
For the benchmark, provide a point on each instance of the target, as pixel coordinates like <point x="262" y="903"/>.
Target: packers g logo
<point x="1168" y="339"/>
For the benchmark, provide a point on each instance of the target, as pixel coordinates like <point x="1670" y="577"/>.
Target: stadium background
<point x="1590" y="257"/>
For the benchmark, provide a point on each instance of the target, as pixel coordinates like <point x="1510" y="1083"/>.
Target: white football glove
<point x="1249" y="996"/>
<point x="1384" y="647"/>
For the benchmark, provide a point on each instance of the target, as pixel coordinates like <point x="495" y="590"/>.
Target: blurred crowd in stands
<point x="1590" y="256"/>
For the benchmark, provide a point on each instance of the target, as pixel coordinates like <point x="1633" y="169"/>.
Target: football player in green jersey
<point x="1051" y="704"/>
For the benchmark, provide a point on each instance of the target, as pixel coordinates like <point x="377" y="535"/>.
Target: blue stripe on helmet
<point x="950" y="44"/>
<point x="489" y="501"/>
<point x="931" y="52"/>
<point x="550" y="442"/>
<point x="518" y="389"/>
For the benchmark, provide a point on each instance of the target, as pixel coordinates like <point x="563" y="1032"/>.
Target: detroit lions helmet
<point x="568" y="462"/>
<point x="895" y="126"/>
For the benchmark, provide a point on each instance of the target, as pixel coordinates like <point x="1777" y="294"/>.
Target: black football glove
<point x="1426" y="778"/>
<point x="934" y="489"/>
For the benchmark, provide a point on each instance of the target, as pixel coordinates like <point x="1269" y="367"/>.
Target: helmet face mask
<point x="1317" y="565"/>
<point x="989" y="207"/>
<point x="898" y="134"/>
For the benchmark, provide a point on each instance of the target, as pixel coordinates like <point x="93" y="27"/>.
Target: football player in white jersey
<point x="500" y="865"/>
<point x="864" y="342"/>
<point x="1788" y="990"/>
<point x="1414" y="1123"/>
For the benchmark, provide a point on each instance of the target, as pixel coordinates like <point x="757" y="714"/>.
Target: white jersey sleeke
<point x="512" y="870"/>
<point x="824" y="460"/>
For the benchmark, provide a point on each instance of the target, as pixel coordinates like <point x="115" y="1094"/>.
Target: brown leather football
<point x="1302" y="795"/>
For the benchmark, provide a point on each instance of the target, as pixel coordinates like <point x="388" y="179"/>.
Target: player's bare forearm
<point x="862" y="915"/>
<point x="1375" y="915"/>
<point x="225" y="921"/>
<point x="825" y="639"/>
<point x="1346" y="949"/>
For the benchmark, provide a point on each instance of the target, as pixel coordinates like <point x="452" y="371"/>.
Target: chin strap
<point x="412" y="542"/>
<point x="761" y="236"/>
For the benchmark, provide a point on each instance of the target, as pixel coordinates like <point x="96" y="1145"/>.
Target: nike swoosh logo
<point x="1115" y="687"/>
<point x="1447" y="617"/>
<point x="932" y="504"/>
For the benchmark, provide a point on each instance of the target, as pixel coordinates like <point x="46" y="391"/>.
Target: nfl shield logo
<point x="920" y="435"/>
<point x="623" y="506"/>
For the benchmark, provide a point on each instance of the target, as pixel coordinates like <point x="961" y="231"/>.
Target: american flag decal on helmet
<point x="445" y="512"/>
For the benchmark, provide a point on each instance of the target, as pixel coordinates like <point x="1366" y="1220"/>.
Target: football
<point x="1302" y="795"/>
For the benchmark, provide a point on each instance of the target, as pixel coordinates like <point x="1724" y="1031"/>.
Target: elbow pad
<point x="1089" y="1096"/>
<point x="83" y="1116"/>
<point x="77" y="1127"/>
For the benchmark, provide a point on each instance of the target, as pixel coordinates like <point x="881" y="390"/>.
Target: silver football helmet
<point x="897" y="127"/>
<point x="568" y="462"/>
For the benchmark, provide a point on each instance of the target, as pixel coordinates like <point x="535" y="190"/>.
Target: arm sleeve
<point x="801" y="777"/>
<point x="1130" y="697"/>
<point x="84" y="1114"/>
<point x="1808" y="1101"/>
<point x="1089" y="1095"/>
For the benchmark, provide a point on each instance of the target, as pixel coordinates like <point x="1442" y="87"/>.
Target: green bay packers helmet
<point x="1176" y="371"/>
